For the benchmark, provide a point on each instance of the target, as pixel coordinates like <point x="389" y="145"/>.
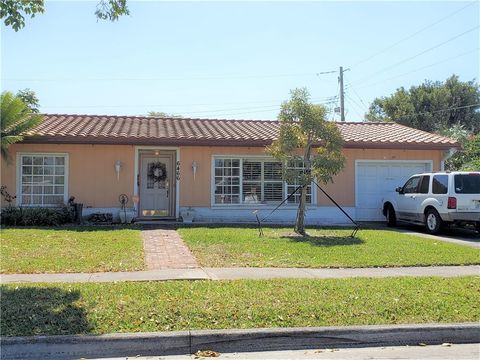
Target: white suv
<point x="433" y="199"/>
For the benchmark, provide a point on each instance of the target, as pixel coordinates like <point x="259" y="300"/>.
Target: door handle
<point x="167" y="186"/>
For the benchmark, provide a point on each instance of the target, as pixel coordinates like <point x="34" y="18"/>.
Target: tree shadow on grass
<point x="324" y="241"/>
<point x="28" y="311"/>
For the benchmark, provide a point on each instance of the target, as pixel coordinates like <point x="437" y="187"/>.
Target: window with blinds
<point x="297" y="167"/>
<point x="251" y="181"/>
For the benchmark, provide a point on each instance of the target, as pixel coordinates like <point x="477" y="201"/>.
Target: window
<point x="423" y="189"/>
<point x="467" y="183"/>
<point x="42" y="180"/>
<point x="440" y="184"/>
<point x="251" y="181"/>
<point x="411" y="185"/>
<point x="297" y="166"/>
<point x="227" y="181"/>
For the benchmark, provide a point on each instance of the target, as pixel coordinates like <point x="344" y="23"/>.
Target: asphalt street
<point x="445" y="351"/>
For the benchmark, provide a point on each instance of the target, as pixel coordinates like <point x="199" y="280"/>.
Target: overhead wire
<point x="416" y="70"/>
<point x="438" y="111"/>
<point x="412" y="35"/>
<point x="351" y="101"/>
<point x="420" y="53"/>
<point x="223" y="77"/>
<point x="351" y="87"/>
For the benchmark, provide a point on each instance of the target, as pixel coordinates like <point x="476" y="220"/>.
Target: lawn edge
<point x="237" y="340"/>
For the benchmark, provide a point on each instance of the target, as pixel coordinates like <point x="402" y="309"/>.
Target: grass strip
<point x="241" y="247"/>
<point x="82" y="249"/>
<point x="46" y="309"/>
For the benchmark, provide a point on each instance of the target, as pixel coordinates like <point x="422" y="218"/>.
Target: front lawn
<point x="241" y="247"/>
<point x="41" y="309"/>
<point x="70" y="250"/>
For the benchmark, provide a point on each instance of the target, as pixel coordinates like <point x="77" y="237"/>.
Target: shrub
<point x="101" y="218"/>
<point x="18" y="216"/>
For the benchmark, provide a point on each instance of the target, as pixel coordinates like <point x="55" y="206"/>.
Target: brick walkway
<point x="165" y="249"/>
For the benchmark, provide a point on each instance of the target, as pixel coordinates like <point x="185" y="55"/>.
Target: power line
<point x="358" y="96"/>
<point x="412" y="35"/>
<point x="172" y="78"/>
<point x="332" y="109"/>
<point x="273" y="103"/>
<point x="354" y="107"/>
<point x="416" y="70"/>
<point x="437" y="111"/>
<point x="421" y="53"/>
<point x="257" y="108"/>
<point x="353" y="101"/>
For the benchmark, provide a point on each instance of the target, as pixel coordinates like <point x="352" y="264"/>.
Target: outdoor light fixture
<point x="194" y="168"/>
<point x="118" y="167"/>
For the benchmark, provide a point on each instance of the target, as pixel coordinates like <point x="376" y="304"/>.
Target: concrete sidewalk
<point x="243" y="273"/>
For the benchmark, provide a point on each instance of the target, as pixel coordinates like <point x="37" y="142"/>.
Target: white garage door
<point x="375" y="179"/>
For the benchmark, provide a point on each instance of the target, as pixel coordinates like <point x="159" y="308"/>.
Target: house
<point x="217" y="167"/>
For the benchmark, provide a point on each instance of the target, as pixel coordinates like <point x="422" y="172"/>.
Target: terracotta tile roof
<point x="90" y="129"/>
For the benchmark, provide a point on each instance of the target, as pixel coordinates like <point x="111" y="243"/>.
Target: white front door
<point x="156" y="179"/>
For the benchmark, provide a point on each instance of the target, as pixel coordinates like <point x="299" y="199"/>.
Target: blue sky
<point x="235" y="59"/>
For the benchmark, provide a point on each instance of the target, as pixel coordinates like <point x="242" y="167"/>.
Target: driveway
<point x="454" y="235"/>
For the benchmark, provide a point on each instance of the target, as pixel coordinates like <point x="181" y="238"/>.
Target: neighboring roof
<point x="135" y="130"/>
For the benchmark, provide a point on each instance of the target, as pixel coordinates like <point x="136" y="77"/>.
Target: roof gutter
<point x="448" y="155"/>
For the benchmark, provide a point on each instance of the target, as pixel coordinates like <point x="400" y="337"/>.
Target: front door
<point x="156" y="179"/>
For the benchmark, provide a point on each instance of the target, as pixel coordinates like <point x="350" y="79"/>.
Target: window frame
<point x="18" y="182"/>
<point x="243" y="205"/>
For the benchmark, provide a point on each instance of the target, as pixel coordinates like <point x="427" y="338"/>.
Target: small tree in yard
<point x="16" y="118"/>
<point x="307" y="137"/>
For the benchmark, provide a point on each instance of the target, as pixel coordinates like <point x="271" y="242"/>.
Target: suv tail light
<point x="452" y="202"/>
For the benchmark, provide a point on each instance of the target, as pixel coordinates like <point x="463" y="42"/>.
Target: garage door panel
<point x="375" y="180"/>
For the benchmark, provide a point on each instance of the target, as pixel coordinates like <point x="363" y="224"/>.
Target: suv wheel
<point x="391" y="217"/>
<point x="433" y="221"/>
<point x="477" y="226"/>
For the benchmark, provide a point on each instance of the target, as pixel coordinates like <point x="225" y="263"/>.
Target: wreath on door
<point x="157" y="171"/>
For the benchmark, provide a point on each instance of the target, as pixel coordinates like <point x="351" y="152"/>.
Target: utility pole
<point x="342" y="100"/>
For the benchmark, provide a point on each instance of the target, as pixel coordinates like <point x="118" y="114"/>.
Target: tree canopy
<point x="306" y="137"/>
<point x="13" y="12"/>
<point x="431" y="106"/>
<point x="30" y="99"/>
<point x="162" y="114"/>
<point x="16" y="118"/>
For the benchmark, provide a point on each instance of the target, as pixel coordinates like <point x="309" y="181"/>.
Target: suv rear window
<point x="467" y="184"/>
<point x="440" y="184"/>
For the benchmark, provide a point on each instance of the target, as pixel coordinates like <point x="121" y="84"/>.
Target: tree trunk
<point x="300" y="222"/>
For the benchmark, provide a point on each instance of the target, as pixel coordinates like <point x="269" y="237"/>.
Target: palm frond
<point x="16" y="119"/>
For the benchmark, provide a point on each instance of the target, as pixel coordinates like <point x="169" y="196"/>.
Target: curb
<point x="245" y="340"/>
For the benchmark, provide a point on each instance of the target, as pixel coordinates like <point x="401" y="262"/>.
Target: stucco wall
<point x="198" y="192"/>
<point x="92" y="179"/>
<point x="91" y="175"/>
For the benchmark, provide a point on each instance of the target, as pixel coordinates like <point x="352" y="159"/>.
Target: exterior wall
<point x="91" y="179"/>
<point x="343" y="187"/>
<point x="197" y="193"/>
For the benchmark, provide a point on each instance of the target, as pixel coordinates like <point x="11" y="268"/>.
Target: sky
<point x="236" y="60"/>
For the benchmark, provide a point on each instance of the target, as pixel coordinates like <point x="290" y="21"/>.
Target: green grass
<point x="37" y="309"/>
<point x="70" y="250"/>
<point x="239" y="247"/>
